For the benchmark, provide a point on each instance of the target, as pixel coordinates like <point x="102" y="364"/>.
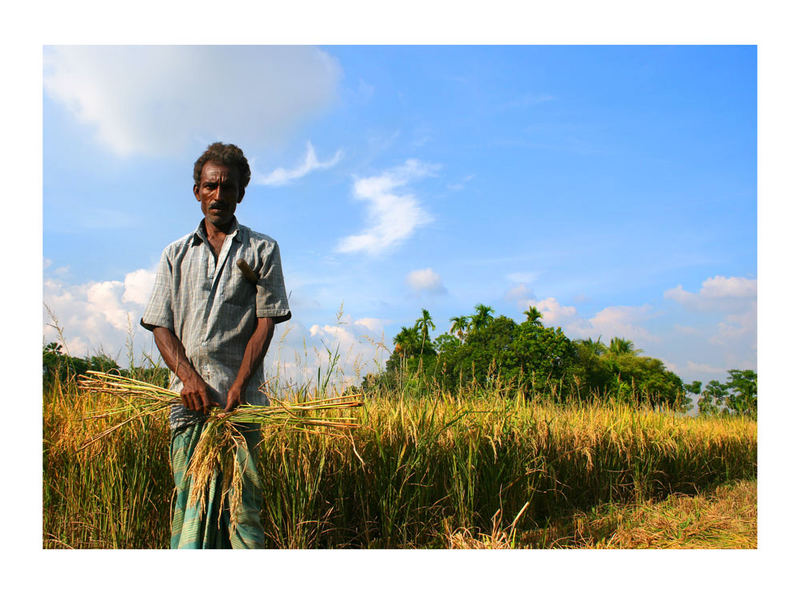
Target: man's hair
<point x="227" y="154"/>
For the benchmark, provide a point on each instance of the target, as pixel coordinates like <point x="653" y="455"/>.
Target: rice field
<point x="478" y="469"/>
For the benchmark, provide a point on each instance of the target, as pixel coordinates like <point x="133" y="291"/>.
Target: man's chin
<point x="219" y="221"/>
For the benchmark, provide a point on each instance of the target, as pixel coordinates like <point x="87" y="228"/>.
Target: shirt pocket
<point x="239" y="292"/>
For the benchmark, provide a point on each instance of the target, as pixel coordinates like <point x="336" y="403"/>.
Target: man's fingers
<point x="197" y="400"/>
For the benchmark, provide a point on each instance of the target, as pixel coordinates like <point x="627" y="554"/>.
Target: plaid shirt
<point x="212" y="309"/>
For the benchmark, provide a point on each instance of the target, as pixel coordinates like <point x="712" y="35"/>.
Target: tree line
<point x="529" y="357"/>
<point x="485" y="351"/>
<point x="59" y="367"/>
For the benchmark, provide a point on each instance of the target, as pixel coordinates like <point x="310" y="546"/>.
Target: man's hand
<point x="195" y="394"/>
<point x="254" y="354"/>
<point x="235" y="398"/>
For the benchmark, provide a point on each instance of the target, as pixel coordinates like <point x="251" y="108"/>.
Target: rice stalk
<point x="142" y="399"/>
<point x="221" y="447"/>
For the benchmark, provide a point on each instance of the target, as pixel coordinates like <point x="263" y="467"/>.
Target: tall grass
<point x="417" y="469"/>
<point x="114" y="494"/>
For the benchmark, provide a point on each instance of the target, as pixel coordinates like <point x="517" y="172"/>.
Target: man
<point x="212" y="321"/>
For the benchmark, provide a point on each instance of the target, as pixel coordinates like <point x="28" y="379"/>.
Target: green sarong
<point x="192" y="529"/>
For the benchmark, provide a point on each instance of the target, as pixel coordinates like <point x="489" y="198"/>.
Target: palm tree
<point x="460" y="326"/>
<point x="424" y="324"/>
<point x="482" y="316"/>
<point x="620" y="346"/>
<point x="533" y="315"/>
<point x="597" y="347"/>
<point x="406" y="340"/>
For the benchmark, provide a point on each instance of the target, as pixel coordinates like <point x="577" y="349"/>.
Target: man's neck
<point x="217" y="232"/>
<point x="216" y="235"/>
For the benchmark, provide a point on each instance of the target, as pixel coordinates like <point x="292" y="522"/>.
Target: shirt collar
<point x="200" y="236"/>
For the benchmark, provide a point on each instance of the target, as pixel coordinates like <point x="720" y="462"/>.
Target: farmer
<point x="212" y="321"/>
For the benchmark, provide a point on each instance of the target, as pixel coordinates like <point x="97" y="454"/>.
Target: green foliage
<point x="481" y="317"/>
<point x="620" y="346"/>
<point x="446" y="343"/>
<point x="713" y="398"/>
<point x="424" y="325"/>
<point x="486" y="353"/>
<point x="533" y="315"/>
<point x="645" y="379"/>
<point x="536" y="360"/>
<point x="737" y="396"/>
<point x="743" y="398"/>
<point x="58" y="367"/>
<point x="460" y="327"/>
<point x="694" y="387"/>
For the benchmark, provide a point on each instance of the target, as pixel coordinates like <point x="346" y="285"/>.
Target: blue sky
<point x="614" y="187"/>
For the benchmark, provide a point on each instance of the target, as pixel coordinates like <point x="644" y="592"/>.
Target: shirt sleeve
<point x="159" y="309"/>
<point x="271" y="301"/>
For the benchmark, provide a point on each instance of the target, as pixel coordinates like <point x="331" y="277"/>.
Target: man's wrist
<point x="186" y="373"/>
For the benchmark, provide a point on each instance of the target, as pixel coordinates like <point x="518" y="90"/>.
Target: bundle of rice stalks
<point x="142" y="399"/>
<point x="222" y="449"/>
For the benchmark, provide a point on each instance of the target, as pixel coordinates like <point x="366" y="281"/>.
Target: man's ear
<point x="196" y="192"/>
<point x="241" y="197"/>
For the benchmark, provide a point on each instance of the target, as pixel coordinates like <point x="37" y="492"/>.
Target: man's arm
<point x="254" y="354"/>
<point x="195" y="390"/>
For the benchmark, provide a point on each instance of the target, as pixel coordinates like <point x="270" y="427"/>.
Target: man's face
<point x="218" y="192"/>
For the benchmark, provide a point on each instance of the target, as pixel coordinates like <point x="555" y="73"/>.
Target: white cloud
<point x="104" y="299"/>
<point x="99" y="316"/>
<point x="623" y="321"/>
<point x="359" y="343"/>
<point x="695" y="368"/>
<point x="156" y="100"/>
<point x="716" y="293"/>
<point x="520" y="293"/>
<point x="281" y="176"/>
<point x="553" y="313"/>
<point x="670" y="366"/>
<point x="735" y="297"/>
<point x="372" y="324"/>
<point x="738" y="327"/>
<point x="103" y="316"/>
<point x="425" y="280"/>
<point x="138" y="286"/>
<point x="391" y="217"/>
